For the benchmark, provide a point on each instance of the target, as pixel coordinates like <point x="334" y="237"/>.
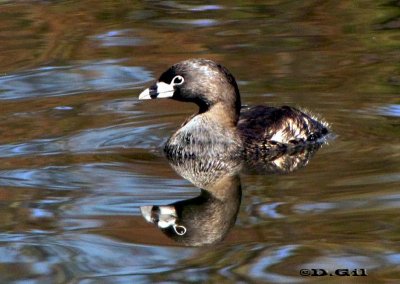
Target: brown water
<point x="80" y="154"/>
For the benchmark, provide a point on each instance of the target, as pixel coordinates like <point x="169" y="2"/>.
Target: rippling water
<point x="80" y="155"/>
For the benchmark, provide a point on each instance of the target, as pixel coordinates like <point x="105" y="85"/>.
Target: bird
<point x="224" y="128"/>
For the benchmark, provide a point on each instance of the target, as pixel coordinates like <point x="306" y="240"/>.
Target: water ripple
<point x="89" y="256"/>
<point x="129" y="189"/>
<point x="88" y="141"/>
<point x="390" y="110"/>
<point x="191" y="8"/>
<point x="106" y="75"/>
<point x="367" y="203"/>
<point x="260" y="267"/>
<point x="200" y="23"/>
<point x="113" y="38"/>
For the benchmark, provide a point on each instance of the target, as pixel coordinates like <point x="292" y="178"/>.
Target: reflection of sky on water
<point x="103" y="189"/>
<point x="88" y="141"/>
<point x="387" y="201"/>
<point x="190" y="8"/>
<point x="95" y="176"/>
<point x="93" y="257"/>
<point x="270" y="210"/>
<point x="191" y="23"/>
<point x="89" y="256"/>
<point x="268" y="258"/>
<point x="67" y="180"/>
<point x="118" y="38"/>
<point x="390" y="110"/>
<point x="106" y="75"/>
<point x="343" y="260"/>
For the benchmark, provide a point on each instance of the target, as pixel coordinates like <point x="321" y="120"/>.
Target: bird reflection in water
<point x="207" y="218"/>
<point x="211" y="147"/>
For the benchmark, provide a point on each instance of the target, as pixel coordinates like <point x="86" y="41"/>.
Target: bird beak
<point x="158" y="90"/>
<point x="146" y="213"/>
<point x="164" y="216"/>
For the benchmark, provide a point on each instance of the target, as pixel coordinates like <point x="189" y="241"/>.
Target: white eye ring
<point x="177" y="80"/>
<point x="180" y="230"/>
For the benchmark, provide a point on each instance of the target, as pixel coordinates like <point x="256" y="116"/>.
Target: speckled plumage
<point x="263" y="128"/>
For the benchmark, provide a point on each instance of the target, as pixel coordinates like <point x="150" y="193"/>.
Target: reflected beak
<point x="146" y="213"/>
<point x="158" y="90"/>
<point x="163" y="216"/>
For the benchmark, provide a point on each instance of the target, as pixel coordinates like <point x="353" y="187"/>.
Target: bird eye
<point x="178" y="80"/>
<point x="180" y="230"/>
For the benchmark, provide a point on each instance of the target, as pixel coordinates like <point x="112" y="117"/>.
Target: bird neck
<point x="225" y="114"/>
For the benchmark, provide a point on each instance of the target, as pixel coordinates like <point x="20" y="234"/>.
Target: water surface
<point x="80" y="154"/>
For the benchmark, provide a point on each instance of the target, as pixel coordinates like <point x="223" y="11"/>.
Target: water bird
<point x="222" y="127"/>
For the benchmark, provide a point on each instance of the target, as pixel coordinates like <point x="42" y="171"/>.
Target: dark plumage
<point x="203" y="220"/>
<point x="221" y="127"/>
